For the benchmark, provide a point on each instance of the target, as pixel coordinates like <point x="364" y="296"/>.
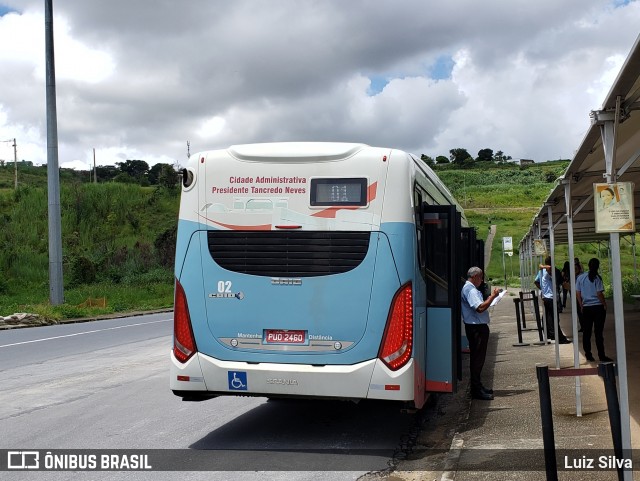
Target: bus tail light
<point x="397" y="341"/>
<point x="184" y="345"/>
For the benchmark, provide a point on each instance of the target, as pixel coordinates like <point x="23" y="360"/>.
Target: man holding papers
<point x="476" y="325"/>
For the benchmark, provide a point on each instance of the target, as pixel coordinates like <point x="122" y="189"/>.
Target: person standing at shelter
<point x="590" y="294"/>
<point x="566" y="282"/>
<point x="476" y="319"/>
<point x="578" y="271"/>
<point x="544" y="282"/>
<point x="578" y="267"/>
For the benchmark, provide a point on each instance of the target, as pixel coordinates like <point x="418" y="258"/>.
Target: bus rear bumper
<point x="204" y="376"/>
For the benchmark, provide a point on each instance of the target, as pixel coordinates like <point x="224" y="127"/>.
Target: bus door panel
<point x="468" y="251"/>
<point x="442" y="258"/>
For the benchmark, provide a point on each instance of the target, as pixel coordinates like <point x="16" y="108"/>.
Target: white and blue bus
<point x="317" y="270"/>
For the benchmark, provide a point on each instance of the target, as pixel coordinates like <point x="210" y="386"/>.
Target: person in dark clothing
<point x="475" y="315"/>
<point x="544" y="282"/>
<point x="566" y="282"/>
<point x="578" y="271"/>
<point x="590" y="294"/>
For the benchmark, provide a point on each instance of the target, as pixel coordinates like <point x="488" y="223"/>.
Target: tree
<point x="500" y="157"/>
<point x="106" y="173"/>
<point x="125" y="178"/>
<point x="137" y="169"/>
<point x="154" y="173"/>
<point x="441" y="159"/>
<point x="168" y="177"/>
<point x="458" y="156"/>
<point x="485" y="155"/>
<point x="427" y="160"/>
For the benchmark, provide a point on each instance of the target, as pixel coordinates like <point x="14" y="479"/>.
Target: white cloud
<point x="137" y="80"/>
<point x="23" y="39"/>
<point x="211" y="127"/>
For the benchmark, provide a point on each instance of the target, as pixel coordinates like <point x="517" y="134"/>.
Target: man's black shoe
<point x="589" y="357"/>
<point x="484" y="396"/>
<point x="565" y="341"/>
<point x="606" y="359"/>
<point x="486" y="389"/>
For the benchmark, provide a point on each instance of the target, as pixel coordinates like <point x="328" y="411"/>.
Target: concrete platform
<point x="502" y="439"/>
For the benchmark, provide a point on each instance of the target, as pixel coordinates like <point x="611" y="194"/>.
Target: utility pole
<point x="15" y="163"/>
<point x="56" y="286"/>
<point x="15" y="160"/>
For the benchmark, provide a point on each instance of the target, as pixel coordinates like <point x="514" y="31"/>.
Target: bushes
<point x="630" y="286"/>
<point x="83" y="271"/>
<point x="165" y="245"/>
<point x="109" y="232"/>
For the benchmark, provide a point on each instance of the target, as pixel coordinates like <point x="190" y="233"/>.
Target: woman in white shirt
<point x="590" y="295"/>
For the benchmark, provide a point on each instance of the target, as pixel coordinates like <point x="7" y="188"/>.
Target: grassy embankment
<point x="118" y="244"/>
<point x="509" y="197"/>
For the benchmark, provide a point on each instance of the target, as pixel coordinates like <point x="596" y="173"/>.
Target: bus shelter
<point x="576" y="211"/>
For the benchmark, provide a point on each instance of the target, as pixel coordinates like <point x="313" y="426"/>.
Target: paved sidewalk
<point x="502" y="439"/>
<point x="489" y="244"/>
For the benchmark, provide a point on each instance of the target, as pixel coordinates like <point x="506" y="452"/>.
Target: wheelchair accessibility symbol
<point x="237" y="380"/>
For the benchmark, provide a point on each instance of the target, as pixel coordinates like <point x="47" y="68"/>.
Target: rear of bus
<point x="294" y="271"/>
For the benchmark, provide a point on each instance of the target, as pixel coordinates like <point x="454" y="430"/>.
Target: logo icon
<point x="23" y="460"/>
<point x="237" y="380"/>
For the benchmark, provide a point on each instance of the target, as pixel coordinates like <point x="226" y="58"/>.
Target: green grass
<point x="119" y="298"/>
<point x="118" y="242"/>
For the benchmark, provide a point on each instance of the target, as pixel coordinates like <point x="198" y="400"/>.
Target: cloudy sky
<point x="137" y="79"/>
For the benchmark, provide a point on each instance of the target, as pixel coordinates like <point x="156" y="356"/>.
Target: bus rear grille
<point x="288" y="254"/>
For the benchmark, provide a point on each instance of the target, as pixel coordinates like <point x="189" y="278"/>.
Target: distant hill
<point x="507" y="196"/>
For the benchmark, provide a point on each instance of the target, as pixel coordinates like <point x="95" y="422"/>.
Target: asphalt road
<point x="103" y="386"/>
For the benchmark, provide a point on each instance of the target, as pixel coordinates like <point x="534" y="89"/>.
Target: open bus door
<point x="468" y="250"/>
<point x="472" y="254"/>
<point x="442" y="235"/>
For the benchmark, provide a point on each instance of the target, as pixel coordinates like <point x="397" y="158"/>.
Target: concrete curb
<point x="101" y="317"/>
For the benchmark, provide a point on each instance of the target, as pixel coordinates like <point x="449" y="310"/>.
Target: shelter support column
<point x="554" y="283"/>
<point x="608" y="122"/>
<point x="572" y="280"/>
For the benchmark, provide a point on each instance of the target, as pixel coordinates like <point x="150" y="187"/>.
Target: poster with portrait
<point x="539" y="247"/>
<point x="613" y="206"/>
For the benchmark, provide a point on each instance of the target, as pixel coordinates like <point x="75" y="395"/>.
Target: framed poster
<point x="539" y="247"/>
<point x="613" y="207"/>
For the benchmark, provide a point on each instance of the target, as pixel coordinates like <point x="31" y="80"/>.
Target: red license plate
<point x="284" y="336"/>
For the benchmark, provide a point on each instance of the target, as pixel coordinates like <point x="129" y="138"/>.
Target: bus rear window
<point x="343" y="191"/>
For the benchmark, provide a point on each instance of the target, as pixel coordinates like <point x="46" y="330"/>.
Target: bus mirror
<point x="187" y="178"/>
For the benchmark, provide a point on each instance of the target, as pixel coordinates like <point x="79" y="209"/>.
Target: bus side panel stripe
<point x="439" y="386"/>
